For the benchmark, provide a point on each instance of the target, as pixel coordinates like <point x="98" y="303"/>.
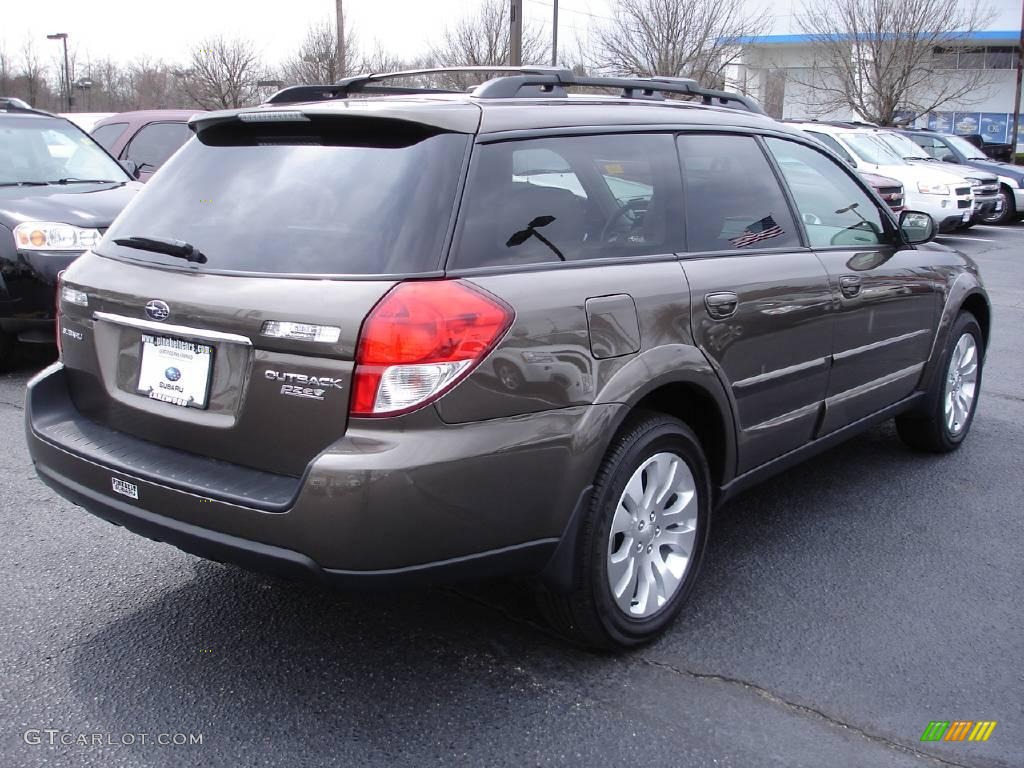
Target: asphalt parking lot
<point x="842" y="606"/>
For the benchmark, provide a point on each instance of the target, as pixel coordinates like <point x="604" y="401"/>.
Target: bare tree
<point x="675" y="38"/>
<point x="223" y="74"/>
<point x="482" y="39"/>
<point x="6" y="71"/>
<point x="32" y="70"/>
<point x="876" y="57"/>
<point x="317" y="59"/>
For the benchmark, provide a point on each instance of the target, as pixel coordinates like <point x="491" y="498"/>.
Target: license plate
<point x="966" y="216"/>
<point x="175" y="371"/>
<point x="999" y="205"/>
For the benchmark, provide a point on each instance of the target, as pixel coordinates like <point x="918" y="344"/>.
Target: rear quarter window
<point x="559" y="199"/>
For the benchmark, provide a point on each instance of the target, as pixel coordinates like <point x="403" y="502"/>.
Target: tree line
<point x="870" y="56"/>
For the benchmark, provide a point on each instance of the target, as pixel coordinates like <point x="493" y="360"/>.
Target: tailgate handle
<point x="722" y="304"/>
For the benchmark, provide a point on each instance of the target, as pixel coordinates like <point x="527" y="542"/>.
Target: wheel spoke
<point x="623" y="581"/>
<point x="667" y="482"/>
<point x="644" y="589"/>
<point x="623" y="520"/>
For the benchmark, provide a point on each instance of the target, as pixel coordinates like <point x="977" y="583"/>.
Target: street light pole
<point x="516" y="34"/>
<point x="1016" y="95"/>
<point x="63" y="37"/>
<point x="554" y="36"/>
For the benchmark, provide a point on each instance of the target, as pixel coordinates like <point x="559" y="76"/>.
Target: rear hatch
<point x="246" y="352"/>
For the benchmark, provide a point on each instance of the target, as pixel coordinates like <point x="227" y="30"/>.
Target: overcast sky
<point x="124" y="29"/>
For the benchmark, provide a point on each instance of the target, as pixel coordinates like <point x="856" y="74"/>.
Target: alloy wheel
<point x="652" y="535"/>
<point x="961" y="384"/>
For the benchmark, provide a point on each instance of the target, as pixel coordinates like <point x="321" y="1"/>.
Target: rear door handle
<point x="722" y="304"/>
<point x="849" y="285"/>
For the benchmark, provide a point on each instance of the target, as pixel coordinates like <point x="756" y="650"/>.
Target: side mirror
<point x="917" y="227"/>
<point x="132" y="168"/>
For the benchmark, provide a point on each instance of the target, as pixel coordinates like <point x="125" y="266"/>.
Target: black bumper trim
<point x="527" y="558"/>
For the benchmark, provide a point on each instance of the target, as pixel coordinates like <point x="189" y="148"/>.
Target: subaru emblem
<point x="157" y="310"/>
<point x="172" y="374"/>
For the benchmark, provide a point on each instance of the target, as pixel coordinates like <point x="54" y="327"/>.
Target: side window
<point x="932" y="146"/>
<point x="834" y="145"/>
<point x="107" y="135"/>
<point x="733" y="200"/>
<point x="834" y="209"/>
<point x="570" y="198"/>
<point x="156" y="142"/>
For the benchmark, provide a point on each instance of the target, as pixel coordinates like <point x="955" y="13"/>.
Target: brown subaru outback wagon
<point x="417" y="336"/>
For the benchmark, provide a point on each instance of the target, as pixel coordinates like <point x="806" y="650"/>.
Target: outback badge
<point x="301" y="385"/>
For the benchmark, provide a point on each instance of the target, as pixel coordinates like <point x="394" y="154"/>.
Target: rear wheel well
<point x="699" y="411"/>
<point x="977" y="306"/>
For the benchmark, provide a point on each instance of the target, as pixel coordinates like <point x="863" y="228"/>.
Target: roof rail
<point x="517" y="82"/>
<point x="12" y="104"/>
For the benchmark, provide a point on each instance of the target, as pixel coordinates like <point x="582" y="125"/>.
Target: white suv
<point x="945" y="196"/>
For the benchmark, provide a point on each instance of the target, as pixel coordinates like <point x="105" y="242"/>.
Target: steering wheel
<point x="637" y="206"/>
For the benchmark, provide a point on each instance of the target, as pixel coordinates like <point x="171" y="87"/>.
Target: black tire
<point x="1008" y="212"/>
<point x="931" y="432"/>
<point x="588" y="615"/>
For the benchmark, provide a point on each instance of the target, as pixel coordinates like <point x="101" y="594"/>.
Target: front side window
<point x="870" y="150"/>
<point x="568" y="199"/>
<point x="933" y="147"/>
<point x="107" y="135"/>
<point x="156" y="142"/>
<point x="835" y="210"/>
<point x="39" y="151"/>
<point x="966" y="149"/>
<point x="733" y="200"/>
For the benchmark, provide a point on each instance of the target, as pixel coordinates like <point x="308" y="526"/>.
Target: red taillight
<point x="420" y="340"/>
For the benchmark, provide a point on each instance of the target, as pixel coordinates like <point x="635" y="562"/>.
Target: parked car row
<point x="955" y="196"/>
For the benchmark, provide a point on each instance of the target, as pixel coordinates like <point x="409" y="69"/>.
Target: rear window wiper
<point x="167" y="246"/>
<point x="24" y="183"/>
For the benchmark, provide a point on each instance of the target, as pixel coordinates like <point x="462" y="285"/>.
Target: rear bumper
<point x="457" y="502"/>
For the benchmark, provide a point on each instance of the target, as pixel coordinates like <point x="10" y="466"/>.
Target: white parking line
<point x="964" y="237"/>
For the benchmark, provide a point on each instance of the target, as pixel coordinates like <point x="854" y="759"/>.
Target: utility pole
<point x="63" y="36"/>
<point x="554" y="36"/>
<point x="1016" y="94"/>
<point x="516" y="36"/>
<point x="342" y="53"/>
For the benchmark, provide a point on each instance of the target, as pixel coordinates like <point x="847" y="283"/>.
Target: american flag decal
<point x="764" y="229"/>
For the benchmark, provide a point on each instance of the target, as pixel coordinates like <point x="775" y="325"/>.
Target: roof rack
<point x="11" y="104"/>
<point x="516" y="82"/>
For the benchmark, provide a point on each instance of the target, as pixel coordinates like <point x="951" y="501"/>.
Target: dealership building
<point x="775" y="67"/>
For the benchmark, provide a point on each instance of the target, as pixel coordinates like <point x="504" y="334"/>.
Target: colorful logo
<point x="958" y="730"/>
<point x="172" y="374"/>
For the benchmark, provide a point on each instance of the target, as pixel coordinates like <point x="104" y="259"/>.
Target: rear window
<point x="335" y="197"/>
